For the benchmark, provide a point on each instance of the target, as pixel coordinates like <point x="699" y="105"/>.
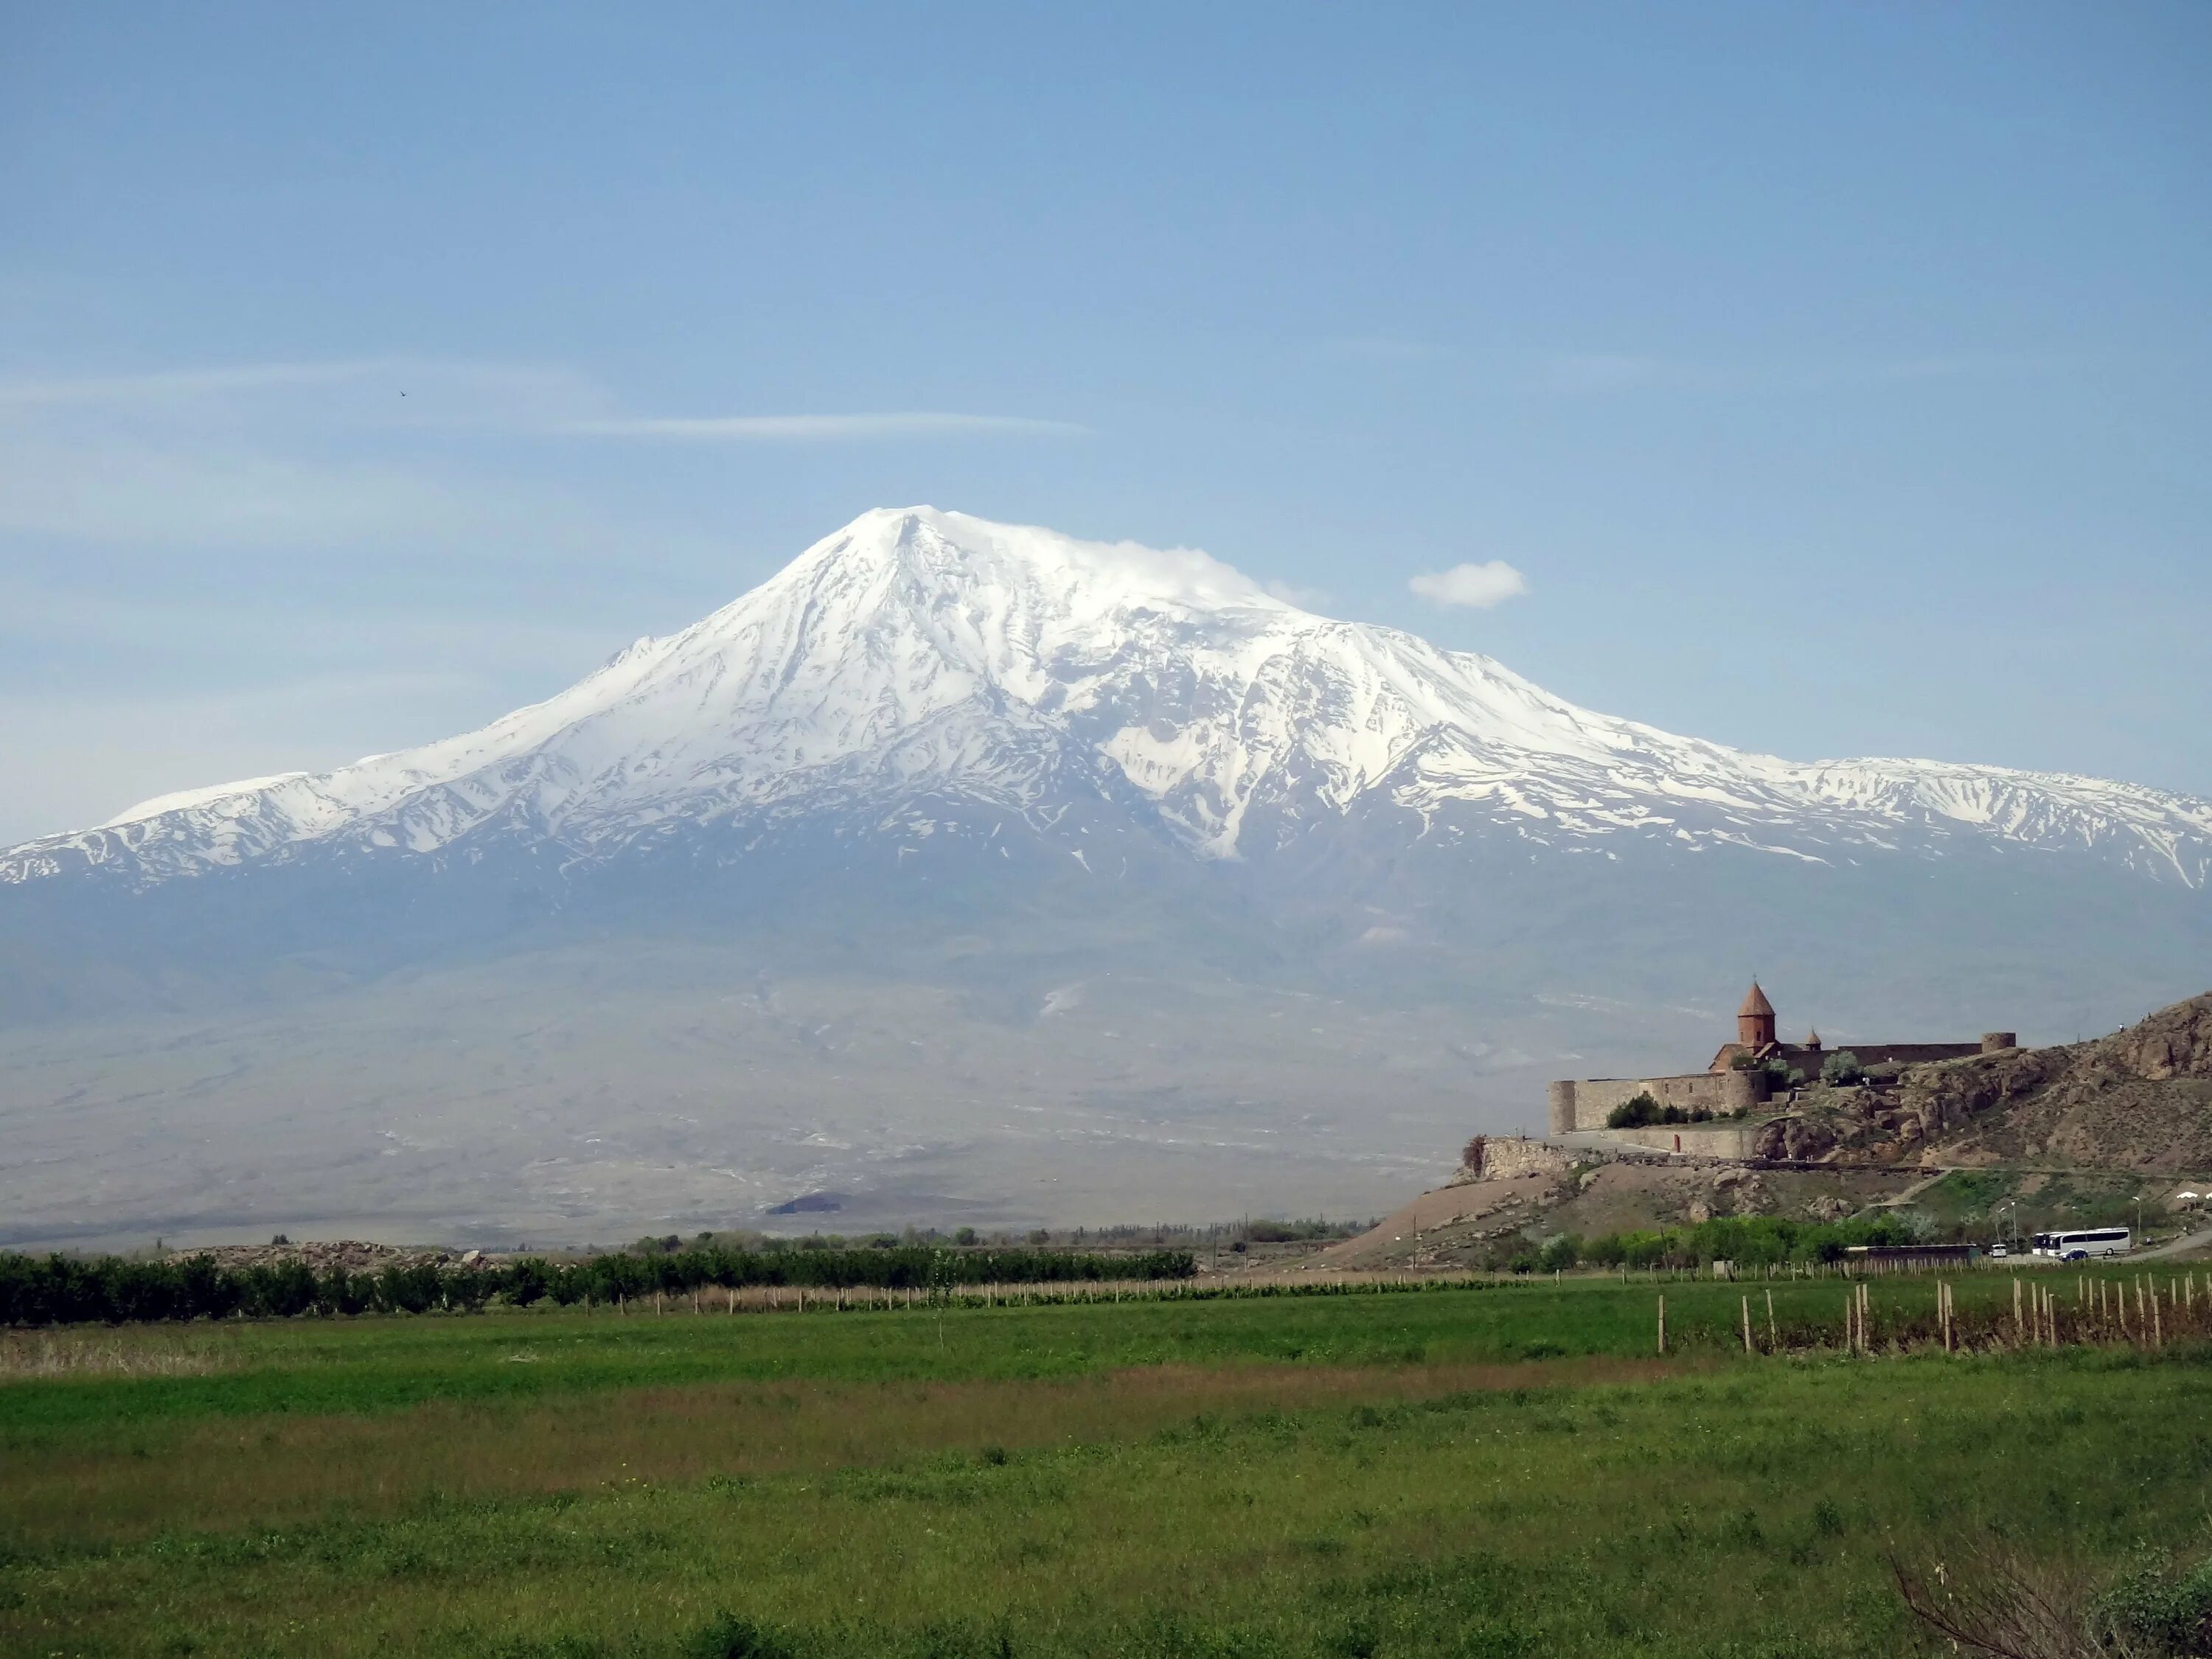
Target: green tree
<point x="1842" y="1069"/>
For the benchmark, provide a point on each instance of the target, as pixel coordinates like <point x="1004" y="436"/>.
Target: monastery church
<point x="1743" y="1074"/>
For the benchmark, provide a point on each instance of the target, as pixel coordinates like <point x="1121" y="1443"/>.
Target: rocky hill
<point x="2083" y="1129"/>
<point x="2140" y="1099"/>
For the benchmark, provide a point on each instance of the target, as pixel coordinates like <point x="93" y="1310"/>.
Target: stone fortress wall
<point x="1583" y="1104"/>
<point x="1723" y="1090"/>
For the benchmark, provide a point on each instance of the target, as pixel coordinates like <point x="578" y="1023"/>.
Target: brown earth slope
<point x="2140" y="1099"/>
<point x="1539" y="1192"/>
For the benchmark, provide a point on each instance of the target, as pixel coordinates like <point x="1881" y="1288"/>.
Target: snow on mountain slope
<point x="918" y="652"/>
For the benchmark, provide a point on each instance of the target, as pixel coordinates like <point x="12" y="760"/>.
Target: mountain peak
<point x="942" y="547"/>
<point x="919" y="652"/>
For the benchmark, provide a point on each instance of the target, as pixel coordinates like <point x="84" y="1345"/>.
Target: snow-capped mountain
<point x="924" y="674"/>
<point x="971" y="871"/>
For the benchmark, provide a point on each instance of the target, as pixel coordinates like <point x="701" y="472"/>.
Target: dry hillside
<point x="2140" y="1099"/>
<point x="1530" y="1192"/>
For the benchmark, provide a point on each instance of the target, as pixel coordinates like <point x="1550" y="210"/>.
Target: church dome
<point x="1755" y="1005"/>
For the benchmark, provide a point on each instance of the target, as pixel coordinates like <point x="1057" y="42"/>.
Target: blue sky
<point x="1832" y="376"/>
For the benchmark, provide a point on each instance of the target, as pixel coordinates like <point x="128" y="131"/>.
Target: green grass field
<point x="1507" y="1471"/>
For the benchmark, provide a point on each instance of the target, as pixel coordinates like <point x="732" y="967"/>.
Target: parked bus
<point x="2091" y="1241"/>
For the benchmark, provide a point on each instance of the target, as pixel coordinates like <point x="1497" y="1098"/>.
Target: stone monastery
<point x="1744" y="1073"/>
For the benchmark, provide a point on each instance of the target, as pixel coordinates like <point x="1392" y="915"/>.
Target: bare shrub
<point x="1996" y="1600"/>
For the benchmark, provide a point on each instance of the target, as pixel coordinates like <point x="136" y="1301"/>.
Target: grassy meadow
<point x="1483" y="1471"/>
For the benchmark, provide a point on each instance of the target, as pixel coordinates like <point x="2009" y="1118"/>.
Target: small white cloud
<point x="1480" y="586"/>
<point x="900" y="424"/>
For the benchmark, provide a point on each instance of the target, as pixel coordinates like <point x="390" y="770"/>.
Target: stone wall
<point x="1695" y="1140"/>
<point x="1583" y="1103"/>
<point x="1906" y="1054"/>
<point x="1506" y="1157"/>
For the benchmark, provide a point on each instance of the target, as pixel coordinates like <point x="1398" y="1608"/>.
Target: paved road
<point x="1909" y="1193"/>
<point x="2186" y="1242"/>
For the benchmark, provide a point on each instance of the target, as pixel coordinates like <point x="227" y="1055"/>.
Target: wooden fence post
<point x="1747" y="1325"/>
<point x="1662" y="1324"/>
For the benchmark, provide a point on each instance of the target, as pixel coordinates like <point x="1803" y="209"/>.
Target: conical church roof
<point x="1755" y="1004"/>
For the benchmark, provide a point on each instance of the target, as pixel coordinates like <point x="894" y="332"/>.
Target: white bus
<point x="2092" y="1241"/>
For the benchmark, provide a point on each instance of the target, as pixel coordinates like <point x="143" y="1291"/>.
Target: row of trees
<point x="1749" y="1241"/>
<point x="58" y="1290"/>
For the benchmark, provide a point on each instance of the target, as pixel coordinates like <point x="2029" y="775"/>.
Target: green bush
<point x="2158" y="1605"/>
<point x="1842" y="1069"/>
<point x="1641" y="1111"/>
<point x="1635" y="1113"/>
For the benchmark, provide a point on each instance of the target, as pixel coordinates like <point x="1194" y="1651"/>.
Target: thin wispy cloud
<point x="247" y="498"/>
<point x="434" y="384"/>
<point x="748" y="429"/>
<point x="172" y="385"/>
<point x="523" y="400"/>
<point x="1595" y="373"/>
<point x="1478" y="587"/>
<point x="358" y="454"/>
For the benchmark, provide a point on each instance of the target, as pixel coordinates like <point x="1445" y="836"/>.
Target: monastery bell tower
<point x="1754" y="1021"/>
